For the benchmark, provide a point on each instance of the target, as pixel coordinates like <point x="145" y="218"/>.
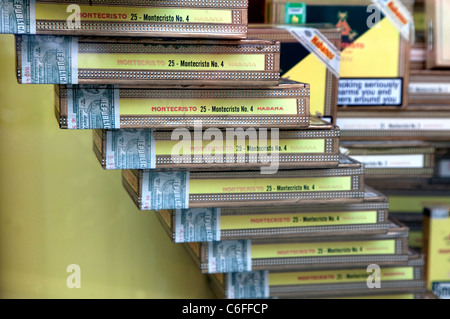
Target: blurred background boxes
<point x="299" y="63"/>
<point x="437" y="33"/>
<point x="436" y="247"/>
<point x="368" y="79"/>
<point x="392" y="159"/>
<point x="425" y="123"/>
<point x="429" y="87"/>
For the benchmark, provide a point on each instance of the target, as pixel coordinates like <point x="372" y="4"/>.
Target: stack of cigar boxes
<point x="234" y="141"/>
<point x="400" y="133"/>
<point x="310" y="249"/>
<point x="436" y="230"/>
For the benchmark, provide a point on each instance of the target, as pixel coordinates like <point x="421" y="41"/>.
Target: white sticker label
<point x="418" y="55"/>
<point x="164" y="190"/>
<point x="435" y="88"/>
<point x="391" y="161"/>
<point x="197" y="225"/>
<point x="319" y="45"/>
<point x="229" y="256"/>
<point x="370" y="92"/>
<point x="248" y="285"/>
<point x="431" y="124"/>
<point x="399" y="15"/>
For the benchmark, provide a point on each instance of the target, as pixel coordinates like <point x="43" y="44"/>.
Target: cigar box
<point x="285" y="105"/>
<point x="237" y="223"/>
<point x="408" y="205"/>
<point x="341" y="282"/>
<point x="144" y="18"/>
<point x="178" y="189"/>
<point x="443" y="169"/>
<point x="146" y="61"/>
<point x="410" y="184"/>
<point x="420" y="24"/>
<point x="392" y="159"/>
<point x="437" y="33"/>
<point x="415" y="233"/>
<point x="202" y="150"/>
<point x="413" y="220"/>
<point x="436" y="248"/>
<point x="442" y="163"/>
<point x="368" y="79"/>
<point x="418" y="54"/>
<point x="302" y="61"/>
<point x="429" y="87"/>
<point x="426" y="123"/>
<point x="406" y="183"/>
<point x="324" y="252"/>
<point x="418" y="58"/>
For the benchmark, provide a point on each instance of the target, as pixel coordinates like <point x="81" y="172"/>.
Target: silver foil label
<point x="130" y="149"/>
<point x="197" y="225"/>
<point x="17" y="16"/>
<point x="229" y="256"/>
<point x="93" y="107"/>
<point x="49" y="59"/>
<point x="165" y="190"/>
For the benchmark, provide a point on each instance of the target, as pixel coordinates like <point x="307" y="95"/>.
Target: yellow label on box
<point x="437" y="249"/>
<point x="58" y="12"/>
<point x="269" y="185"/>
<point x="338" y="276"/>
<point x="222" y="146"/>
<point x="362" y="57"/>
<point x="296" y="220"/>
<point x="172" y="61"/>
<point x="378" y="247"/>
<point x="415" y="204"/>
<point x="311" y="70"/>
<point x="181" y="107"/>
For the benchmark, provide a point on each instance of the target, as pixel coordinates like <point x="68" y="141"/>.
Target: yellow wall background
<point x="59" y="207"/>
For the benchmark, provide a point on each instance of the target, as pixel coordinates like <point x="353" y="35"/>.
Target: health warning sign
<point x="370" y="92"/>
